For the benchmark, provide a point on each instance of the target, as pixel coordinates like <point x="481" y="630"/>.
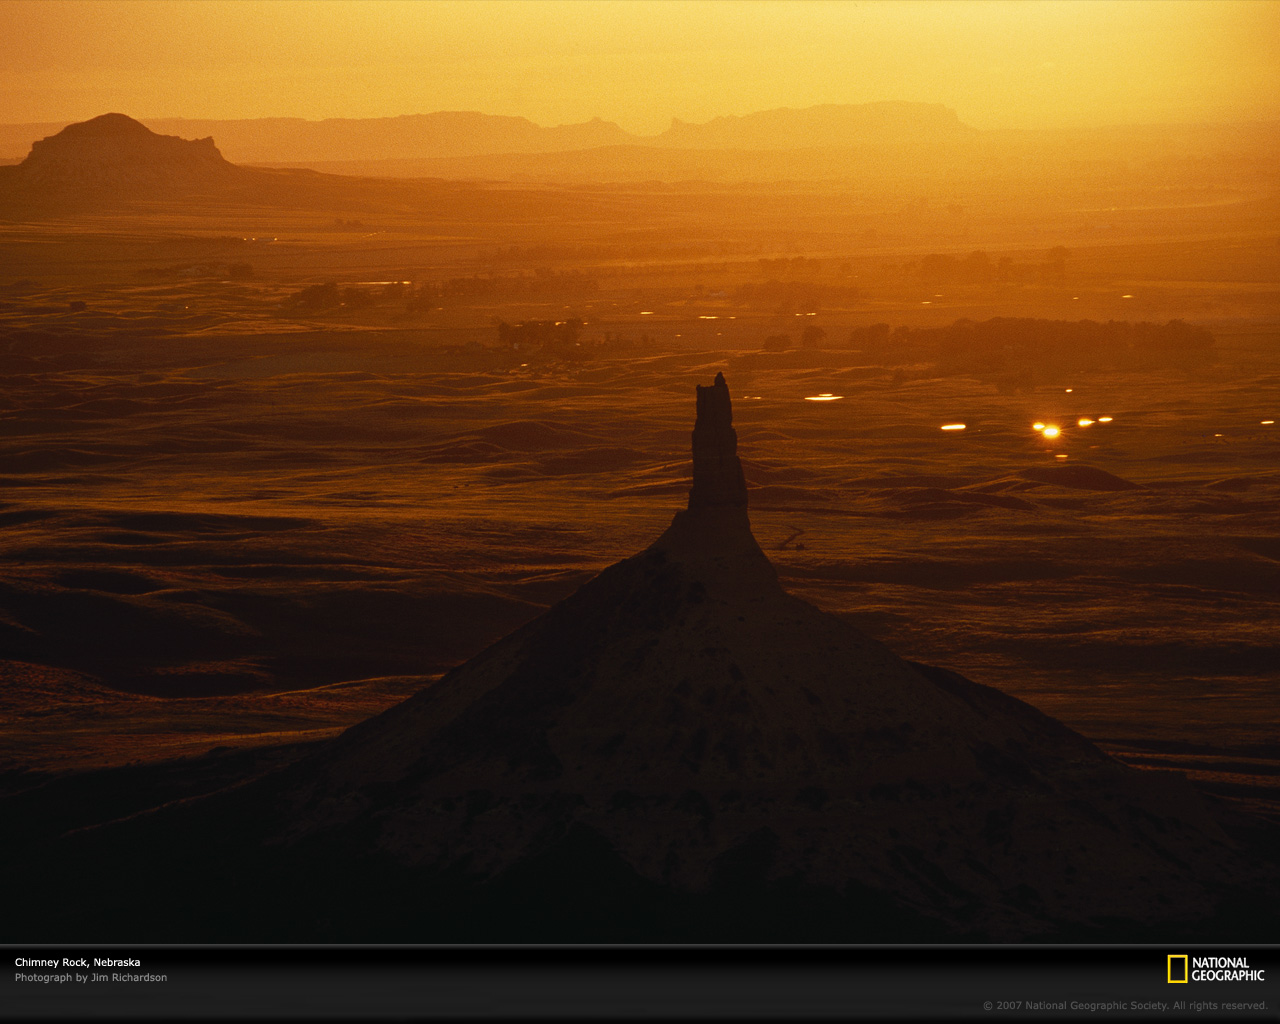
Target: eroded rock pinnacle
<point x="717" y="473"/>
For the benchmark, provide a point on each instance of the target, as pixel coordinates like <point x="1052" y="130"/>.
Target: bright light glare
<point x="824" y="397"/>
<point x="1037" y="426"/>
<point x="1104" y="419"/>
<point x="1051" y="431"/>
<point x="953" y="426"/>
<point x="1084" y="422"/>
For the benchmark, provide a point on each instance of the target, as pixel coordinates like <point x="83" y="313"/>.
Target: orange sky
<point x="1008" y="63"/>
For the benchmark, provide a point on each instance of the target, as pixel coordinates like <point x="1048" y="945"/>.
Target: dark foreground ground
<point x="224" y="541"/>
<point x="210" y="568"/>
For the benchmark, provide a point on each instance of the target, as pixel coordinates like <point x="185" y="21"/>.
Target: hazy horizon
<point x="146" y="118"/>
<point x="639" y="64"/>
<point x="845" y="516"/>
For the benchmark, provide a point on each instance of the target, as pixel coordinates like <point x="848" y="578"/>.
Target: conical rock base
<point x="692" y="715"/>
<point x="683" y="750"/>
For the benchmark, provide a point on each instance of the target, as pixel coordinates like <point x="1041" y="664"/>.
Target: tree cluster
<point x="493" y="288"/>
<point x="794" y="296"/>
<point x="811" y="337"/>
<point x="939" y="269"/>
<point x="457" y="291"/>
<point x="1016" y="343"/>
<point x="555" y="338"/>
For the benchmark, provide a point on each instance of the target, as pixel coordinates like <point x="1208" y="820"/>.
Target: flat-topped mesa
<point x="717" y="473"/>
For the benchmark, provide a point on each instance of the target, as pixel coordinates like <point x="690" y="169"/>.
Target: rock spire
<point x="717" y="473"/>
<point x="682" y="751"/>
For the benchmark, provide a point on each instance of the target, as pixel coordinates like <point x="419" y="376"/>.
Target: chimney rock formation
<point x="684" y="722"/>
<point x="683" y="751"/>
<point x="717" y="473"/>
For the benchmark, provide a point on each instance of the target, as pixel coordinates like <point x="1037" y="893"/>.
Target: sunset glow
<point x="639" y="63"/>
<point x="393" y="554"/>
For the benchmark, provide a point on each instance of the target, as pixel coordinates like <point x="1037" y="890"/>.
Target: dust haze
<point x="300" y="418"/>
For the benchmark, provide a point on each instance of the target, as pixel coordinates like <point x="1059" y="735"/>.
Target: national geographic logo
<point x="1184" y="968"/>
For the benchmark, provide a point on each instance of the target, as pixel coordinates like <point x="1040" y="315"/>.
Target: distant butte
<point x="116" y="151"/>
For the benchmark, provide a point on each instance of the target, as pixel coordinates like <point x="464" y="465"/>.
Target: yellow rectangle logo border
<point x="1186" y="973"/>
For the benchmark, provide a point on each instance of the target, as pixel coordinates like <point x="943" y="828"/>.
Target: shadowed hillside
<point x="680" y="750"/>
